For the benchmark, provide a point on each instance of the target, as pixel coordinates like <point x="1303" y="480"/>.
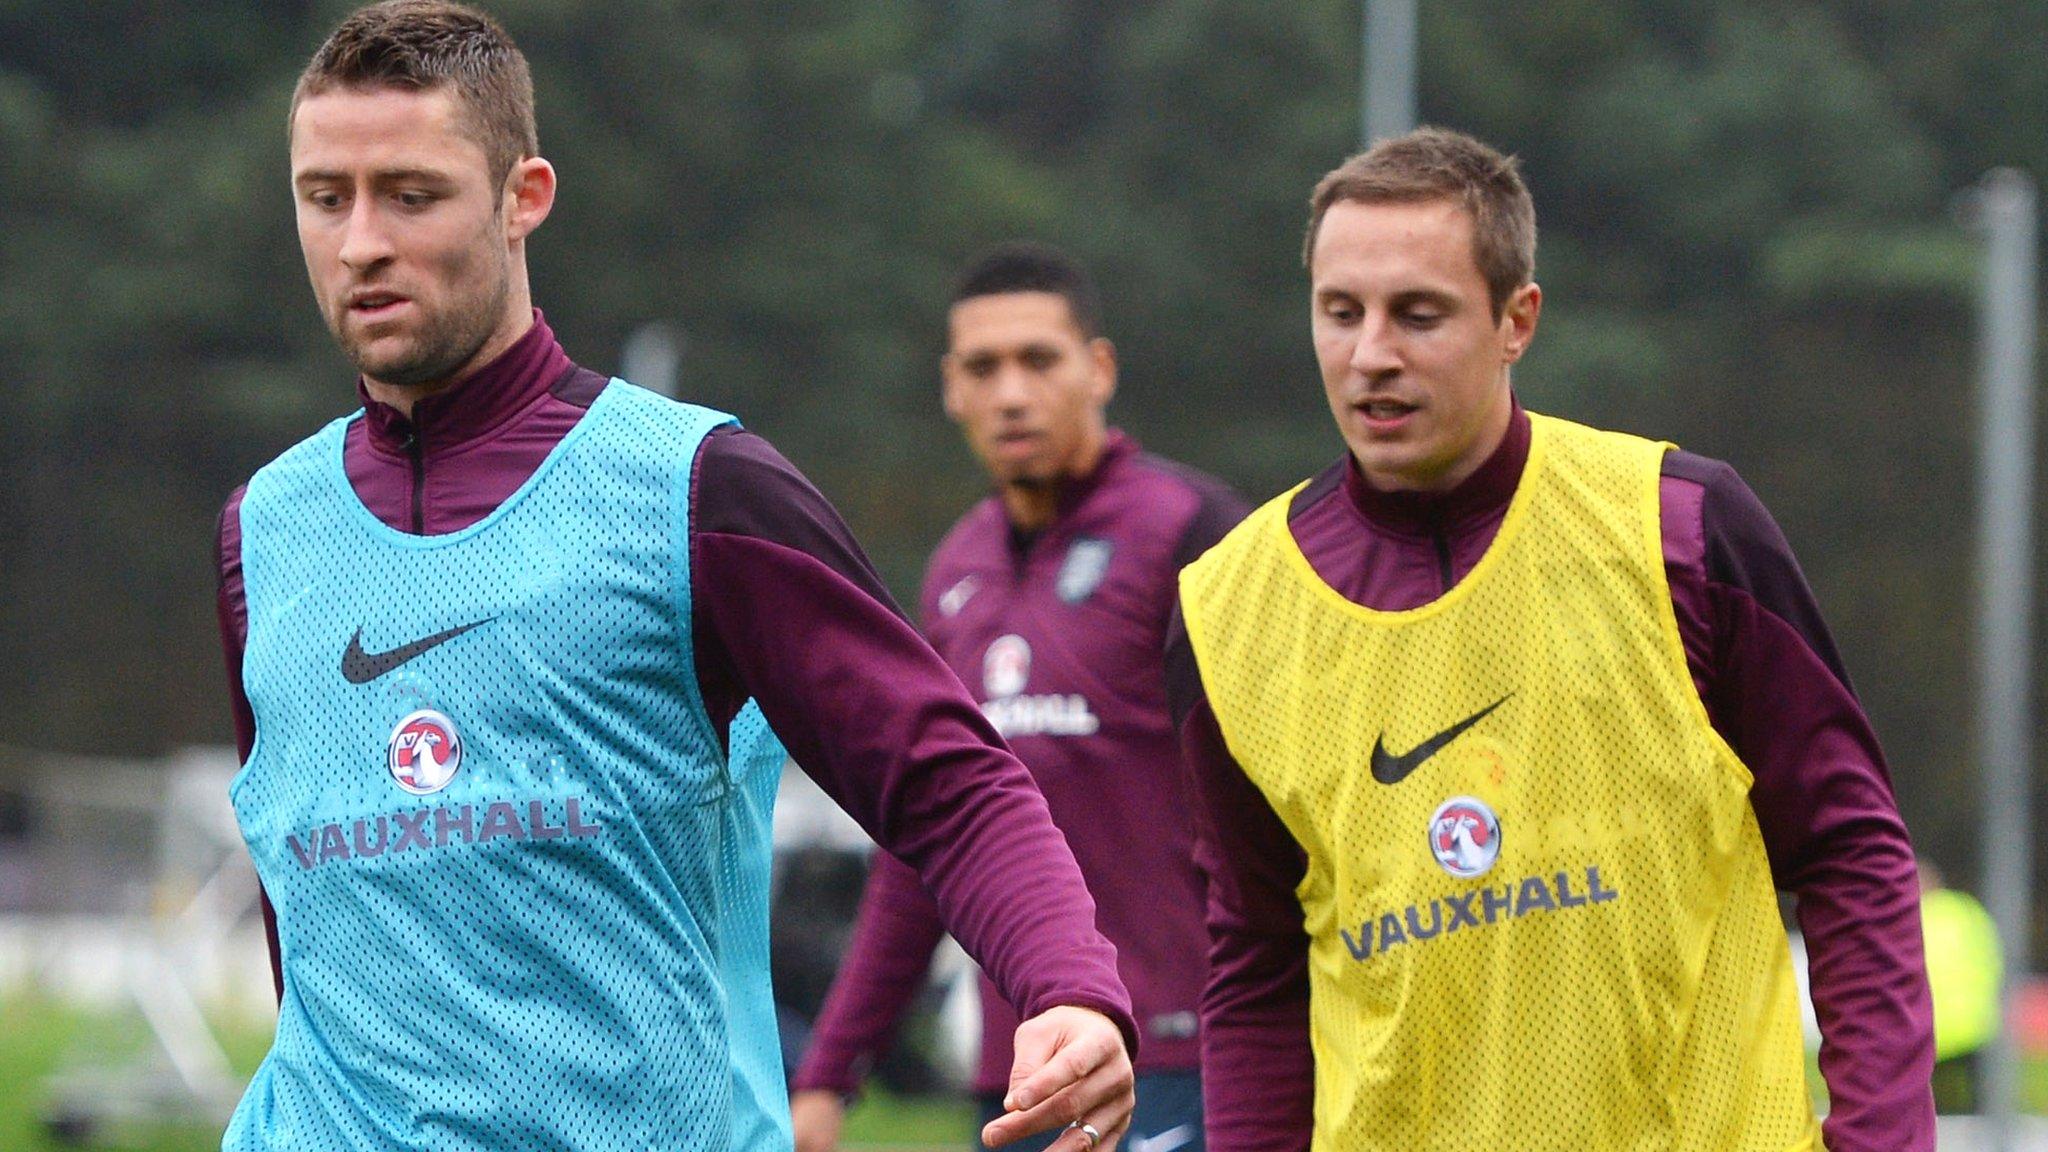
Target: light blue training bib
<point x="522" y="891"/>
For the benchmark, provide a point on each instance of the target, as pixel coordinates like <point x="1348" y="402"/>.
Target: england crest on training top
<point x="1086" y="563"/>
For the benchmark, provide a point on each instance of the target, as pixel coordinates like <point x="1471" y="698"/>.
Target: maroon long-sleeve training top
<point x="1775" y="689"/>
<point x="787" y="610"/>
<point x="1060" y="634"/>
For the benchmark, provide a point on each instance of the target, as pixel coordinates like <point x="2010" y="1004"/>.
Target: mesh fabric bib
<point x="1539" y="911"/>
<point x="521" y="888"/>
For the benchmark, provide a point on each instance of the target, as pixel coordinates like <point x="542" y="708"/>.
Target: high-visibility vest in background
<point x="1964" y="970"/>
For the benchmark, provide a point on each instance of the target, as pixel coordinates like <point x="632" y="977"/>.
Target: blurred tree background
<point x="1749" y="247"/>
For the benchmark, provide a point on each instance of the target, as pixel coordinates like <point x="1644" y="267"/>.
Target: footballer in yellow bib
<point x="1536" y="892"/>
<point x="1503" y="735"/>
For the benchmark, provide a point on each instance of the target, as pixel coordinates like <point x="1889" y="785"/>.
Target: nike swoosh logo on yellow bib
<point x="1388" y="768"/>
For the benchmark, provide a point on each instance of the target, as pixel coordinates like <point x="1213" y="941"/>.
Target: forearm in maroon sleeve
<point x="1824" y="803"/>
<point x="884" y="967"/>
<point x="1835" y="840"/>
<point x="1258" y="1070"/>
<point x="784" y="596"/>
<point x="233" y="609"/>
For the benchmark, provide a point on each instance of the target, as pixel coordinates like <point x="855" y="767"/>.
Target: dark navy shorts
<point x="1168" y="1117"/>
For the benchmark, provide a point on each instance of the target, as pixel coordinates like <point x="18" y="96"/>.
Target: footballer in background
<point x="1052" y="597"/>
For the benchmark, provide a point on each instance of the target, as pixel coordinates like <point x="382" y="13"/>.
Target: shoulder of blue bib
<point x="300" y="464"/>
<point x="652" y="405"/>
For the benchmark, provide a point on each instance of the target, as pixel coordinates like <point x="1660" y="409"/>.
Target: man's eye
<point x="1039" y="361"/>
<point x="415" y="199"/>
<point x="324" y="199"/>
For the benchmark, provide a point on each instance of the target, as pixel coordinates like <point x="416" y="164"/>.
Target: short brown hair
<point x="428" y="44"/>
<point x="1439" y="164"/>
<point x="1024" y="266"/>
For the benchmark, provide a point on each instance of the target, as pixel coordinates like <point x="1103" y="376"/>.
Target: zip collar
<point x="473" y="408"/>
<point x="1482" y="495"/>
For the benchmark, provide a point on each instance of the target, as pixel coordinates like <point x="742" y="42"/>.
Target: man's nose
<point x="364" y="241"/>
<point x="1377" y="350"/>
<point x="1013" y="386"/>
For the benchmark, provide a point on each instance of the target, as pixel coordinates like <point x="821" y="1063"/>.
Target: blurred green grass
<point x="41" y="1038"/>
<point x="881" y="1121"/>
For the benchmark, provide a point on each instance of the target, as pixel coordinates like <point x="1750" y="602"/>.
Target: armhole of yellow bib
<point x="1667" y="615"/>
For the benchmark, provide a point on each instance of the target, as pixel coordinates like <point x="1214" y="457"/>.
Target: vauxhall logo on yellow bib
<point x="1464" y="836"/>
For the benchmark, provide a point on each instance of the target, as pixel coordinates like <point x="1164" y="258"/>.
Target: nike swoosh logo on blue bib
<point x="360" y="667"/>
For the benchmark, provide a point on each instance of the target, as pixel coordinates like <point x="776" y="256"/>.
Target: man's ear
<point x="529" y="196"/>
<point x="1519" y="320"/>
<point x="950" y="386"/>
<point x="1103" y="355"/>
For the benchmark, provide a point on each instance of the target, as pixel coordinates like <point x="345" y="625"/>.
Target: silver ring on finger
<point x="1089" y="1132"/>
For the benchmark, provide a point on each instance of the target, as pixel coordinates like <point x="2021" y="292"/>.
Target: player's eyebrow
<point x="381" y="176"/>
<point x="981" y="358"/>
<point x="1429" y="296"/>
<point x="419" y="175"/>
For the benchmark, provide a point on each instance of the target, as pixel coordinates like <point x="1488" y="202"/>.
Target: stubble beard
<point x="443" y="343"/>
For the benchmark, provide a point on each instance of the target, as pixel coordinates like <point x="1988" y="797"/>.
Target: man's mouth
<point x="374" y="304"/>
<point x="1384" y="412"/>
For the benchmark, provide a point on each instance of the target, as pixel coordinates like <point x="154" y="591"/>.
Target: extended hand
<point x="1071" y="1068"/>
<point x="816" y="1117"/>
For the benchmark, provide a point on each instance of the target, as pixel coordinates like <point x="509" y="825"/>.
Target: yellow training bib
<point x="1538" y="907"/>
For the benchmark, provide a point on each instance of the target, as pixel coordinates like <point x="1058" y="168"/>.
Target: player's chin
<point x="364" y="340"/>
<point x="1379" y="452"/>
<point x="381" y="359"/>
<point x="402" y="364"/>
<point x="1397" y="465"/>
<point x="1029" y="474"/>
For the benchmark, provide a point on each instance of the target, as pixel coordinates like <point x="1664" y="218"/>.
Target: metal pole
<point x="653" y="357"/>
<point x="2005" y="211"/>
<point x="1387" y="90"/>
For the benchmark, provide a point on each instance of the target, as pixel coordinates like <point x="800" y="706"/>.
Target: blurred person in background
<point x="1053" y="596"/>
<point x="1965" y="973"/>
<point x="1504" y="732"/>
<point x="506" y="646"/>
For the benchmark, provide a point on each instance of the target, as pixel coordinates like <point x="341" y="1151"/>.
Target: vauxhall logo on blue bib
<point x="424" y="752"/>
